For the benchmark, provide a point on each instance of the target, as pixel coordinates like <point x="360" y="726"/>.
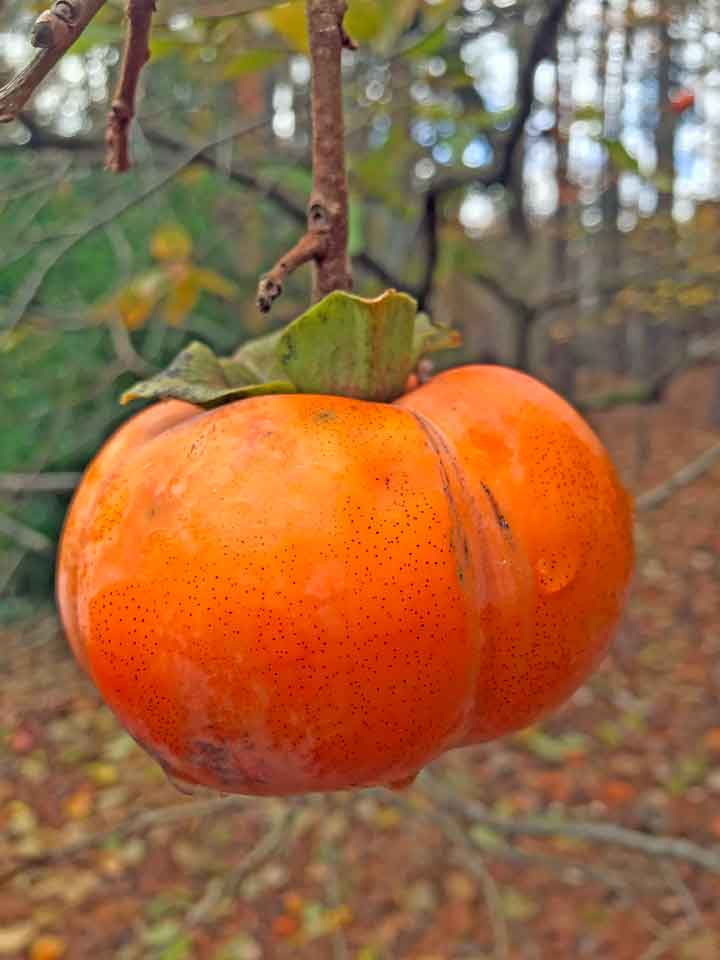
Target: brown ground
<point x="410" y="877"/>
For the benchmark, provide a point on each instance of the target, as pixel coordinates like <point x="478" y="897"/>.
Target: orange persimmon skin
<point x="308" y="593"/>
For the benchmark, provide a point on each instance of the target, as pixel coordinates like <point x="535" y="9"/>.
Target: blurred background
<point x="552" y="193"/>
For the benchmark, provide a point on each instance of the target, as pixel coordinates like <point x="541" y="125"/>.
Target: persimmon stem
<point x="135" y="56"/>
<point x="325" y="242"/>
<point x="329" y="200"/>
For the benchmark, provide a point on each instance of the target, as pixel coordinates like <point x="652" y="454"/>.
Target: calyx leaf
<point x="352" y="347"/>
<point x="198" y="376"/>
<point x="344" y="346"/>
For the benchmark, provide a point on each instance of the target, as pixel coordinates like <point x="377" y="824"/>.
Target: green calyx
<point x="344" y="346"/>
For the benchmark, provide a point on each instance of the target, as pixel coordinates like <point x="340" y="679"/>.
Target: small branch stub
<point x="326" y="240"/>
<point x="311" y="246"/>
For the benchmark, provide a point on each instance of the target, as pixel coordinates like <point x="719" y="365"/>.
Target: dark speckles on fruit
<point x="326" y="593"/>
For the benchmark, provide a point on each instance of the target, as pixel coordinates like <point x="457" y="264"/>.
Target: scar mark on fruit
<point x="322" y="416"/>
<point x="502" y="522"/>
<point x="449" y="471"/>
<point x="215" y="758"/>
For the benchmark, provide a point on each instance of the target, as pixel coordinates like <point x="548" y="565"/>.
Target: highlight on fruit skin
<point x="298" y="593"/>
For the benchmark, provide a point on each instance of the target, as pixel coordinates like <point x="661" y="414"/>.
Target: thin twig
<point x="685" y="894"/>
<point x="429" y="229"/>
<point x="675" y="848"/>
<point x="331" y="858"/>
<point x="66" y="242"/>
<point x="220" y="887"/>
<point x="541" y="44"/>
<point x="135" y="55"/>
<point x="472" y="860"/>
<point x="666" y="942"/>
<point x="503" y="171"/>
<point x="38" y="483"/>
<point x="53" y="33"/>
<point x="568" y="870"/>
<point x="136" y="823"/>
<point x="44" y="140"/>
<point x="24" y="536"/>
<point x="126" y="354"/>
<point x="682" y="478"/>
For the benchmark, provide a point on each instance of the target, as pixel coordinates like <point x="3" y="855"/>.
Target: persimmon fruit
<point x="297" y="593"/>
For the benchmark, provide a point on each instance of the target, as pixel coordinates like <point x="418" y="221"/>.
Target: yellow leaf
<point x="48" y="948"/>
<point x="135" y="302"/>
<point x="288" y="19"/>
<point x="14" y="939"/>
<point x="171" y="242"/>
<point x="192" y="174"/>
<point x="102" y="774"/>
<point x="366" y="20"/>
<point x="182" y="298"/>
<point x="79" y="804"/>
<point x="696" y="297"/>
<point x="215" y="283"/>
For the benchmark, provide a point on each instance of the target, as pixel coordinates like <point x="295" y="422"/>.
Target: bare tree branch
<point x="610" y="834"/>
<point x="472" y="860"/>
<point x="136" y="823"/>
<point x="502" y="173"/>
<point x="698" y="352"/>
<point x="44" y="140"/>
<point x="685" y="476"/>
<point x="226" y="885"/>
<point x="24" y="536"/>
<point x="135" y="55"/>
<point x="38" y="483"/>
<point x="541" y="46"/>
<point x="53" y="33"/>
<point x="429" y="229"/>
<point x="66" y="242"/>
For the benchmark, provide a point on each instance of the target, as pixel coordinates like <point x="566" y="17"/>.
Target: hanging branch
<point x="326" y="239"/>
<point x="683" y="478"/>
<point x="53" y="33"/>
<point x="135" y="56"/>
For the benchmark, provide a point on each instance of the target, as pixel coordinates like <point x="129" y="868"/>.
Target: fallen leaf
<point x="615" y="793"/>
<point x="16" y="938"/>
<point x="79" y="804"/>
<point x="48" y="948"/>
<point x="285" y="926"/>
<point x="102" y="774"/>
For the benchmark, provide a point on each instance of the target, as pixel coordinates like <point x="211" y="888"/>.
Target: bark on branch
<point x="326" y="240"/>
<point x="135" y="56"/>
<point x="54" y="32"/>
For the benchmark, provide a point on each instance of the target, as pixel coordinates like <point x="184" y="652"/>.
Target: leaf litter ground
<point x="412" y="876"/>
